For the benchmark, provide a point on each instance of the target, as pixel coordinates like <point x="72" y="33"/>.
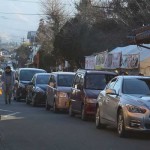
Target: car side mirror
<point x="111" y="92"/>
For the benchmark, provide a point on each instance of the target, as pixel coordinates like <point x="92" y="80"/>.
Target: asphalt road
<point x="23" y="127"/>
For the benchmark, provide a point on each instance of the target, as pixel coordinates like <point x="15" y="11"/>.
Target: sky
<point x="14" y="27"/>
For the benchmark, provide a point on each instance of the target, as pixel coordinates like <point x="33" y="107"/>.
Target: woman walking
<point x="8" y="80"/>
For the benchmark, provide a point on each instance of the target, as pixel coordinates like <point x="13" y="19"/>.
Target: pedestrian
<point x="8" y="80"/>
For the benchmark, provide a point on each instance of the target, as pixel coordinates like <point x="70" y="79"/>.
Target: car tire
<point x="120" y="125"/>
<point x="55" y="109"/>
<point x="47" y="106"/>
<point x="83" y="114"/>
<point x="34" y="104"/>
<point x="27" y="100"/>
<point x="71" y="113"/>
<point x="98" y="123"/>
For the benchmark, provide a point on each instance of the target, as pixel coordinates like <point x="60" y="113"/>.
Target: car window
<point x="95" y="81"/>
<point x="65" y="80"/>
<point x="42" y="79"/>
<point x="111" y="84"/>
<point x="117" y="85"/>
<point x="136" y="86"/>
<point x="26" y="75"/>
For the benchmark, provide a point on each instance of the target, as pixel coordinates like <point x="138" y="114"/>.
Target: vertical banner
<point x="108" y="61"/>
<point x="130" y="61"/>
<point x="100" y="60"/>
<point x="116" y="60"/>
<point x="90" y="62"/>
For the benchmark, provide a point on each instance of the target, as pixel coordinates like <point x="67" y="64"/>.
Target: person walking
<point x="8" y="80"/>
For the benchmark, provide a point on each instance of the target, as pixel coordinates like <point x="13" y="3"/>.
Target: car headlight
<point x="62" y="94"/>
<point x="91" y="100"/>
<point x="135" y="109"/>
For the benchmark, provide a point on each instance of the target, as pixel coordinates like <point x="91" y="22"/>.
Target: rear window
<point x="97" y="81"/>
<point x="65" y="80"/>
<point x="27" y="75"/>
<point x="42" y="79"/>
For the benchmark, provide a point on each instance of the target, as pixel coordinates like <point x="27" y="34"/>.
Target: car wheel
<point x="27" y="100"/>
<point x="34" y="101"/>
<point x="71" y="113"/>
<point x="83" y="114"/>
<point x="47" y="106"/>
<point x="55" y="109"/>
<point x="120" y="125"/>
<point x="98" y="123"/>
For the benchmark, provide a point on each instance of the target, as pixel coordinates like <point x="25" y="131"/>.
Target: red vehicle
<point x="85" y="89"/>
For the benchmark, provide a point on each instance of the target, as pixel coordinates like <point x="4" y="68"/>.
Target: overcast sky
<point x="14" y="27"/>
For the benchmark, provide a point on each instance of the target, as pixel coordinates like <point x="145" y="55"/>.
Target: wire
<point x="24" y="1"/>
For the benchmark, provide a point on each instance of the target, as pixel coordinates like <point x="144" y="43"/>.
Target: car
<point x="86" y="86"/>
<point x="36" y="89"/>
<point x="23" y="77"/>
<point x="58" y="90"/>
<point x="125" y="104"/>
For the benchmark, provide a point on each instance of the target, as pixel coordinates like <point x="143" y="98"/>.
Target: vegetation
<point x="96" y="27"/>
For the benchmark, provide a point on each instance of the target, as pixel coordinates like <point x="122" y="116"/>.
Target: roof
<point x="133" y="49"/>
<point x="31" y="69"/>
<point x="42" y="74"/>
<point x="130" y="77"/>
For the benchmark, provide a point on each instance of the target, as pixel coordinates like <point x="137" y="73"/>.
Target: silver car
<point x="125" y="104"/>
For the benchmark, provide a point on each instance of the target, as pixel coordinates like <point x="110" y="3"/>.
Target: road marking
<point x="6" y="110"/>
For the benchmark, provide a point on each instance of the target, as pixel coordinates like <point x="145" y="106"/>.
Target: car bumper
<point x="136" y="121"/>
<point x="40" y="98"/>
<point x="90" y="108"/>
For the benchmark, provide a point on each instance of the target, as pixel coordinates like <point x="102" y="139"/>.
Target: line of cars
<point x="120" y="101"/>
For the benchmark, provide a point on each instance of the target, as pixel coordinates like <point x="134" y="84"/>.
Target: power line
<point x="24" y="1"/>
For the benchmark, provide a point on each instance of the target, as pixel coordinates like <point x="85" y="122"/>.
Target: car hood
<point x="140" y="99"/>
<point x="24" y="82"/>
<point x="42" y="86"/>
<point x="64" y="89"/>
<point x="92" y="93"/>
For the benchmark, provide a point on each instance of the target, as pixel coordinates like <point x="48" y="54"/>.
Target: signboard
<point x="116" y="60"/>
<point x="130" y="61"/>
<point x="90" y="62"/>
<point x="100" y="60"/>
<point x="108" y="61"/>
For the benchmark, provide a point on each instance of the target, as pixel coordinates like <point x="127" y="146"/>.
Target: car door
<point x="112" y="104"/>
<point x="52" y="89"/>
<point x="106" y="101"/>
<point x="74" y="92"/>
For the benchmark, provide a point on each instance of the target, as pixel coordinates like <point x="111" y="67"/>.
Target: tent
<point x="144" y="66"/>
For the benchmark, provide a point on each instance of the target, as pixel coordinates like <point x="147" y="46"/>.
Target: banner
<point x="116" y="60"/>
<point x="100" y="60"/>
<point x="130" y="61"/>
<point x="90" y="62"/>
<point x="108" y="61"/>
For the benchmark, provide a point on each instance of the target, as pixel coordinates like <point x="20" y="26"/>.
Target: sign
<point x="108" y="61"/>
<point x="90" y="62"/>
<point x="130" y="61"/>
<point x="100" y="60"/>
<point x="116" y="60"/>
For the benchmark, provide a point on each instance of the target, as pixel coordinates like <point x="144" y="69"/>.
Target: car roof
<point x="63" y="73"/>
<point x="133" y="77"/>
<point x="30" y="69"/>
<point x="95" y="71"/>
<point x="42" y="74"/>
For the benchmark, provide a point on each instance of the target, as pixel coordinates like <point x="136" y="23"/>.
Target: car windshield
<point x="97" y="81"/>
<point x="136" y="86"/>
<point x="26" y="75"/>
<point x="65" y="80"/>
<point x="42" y="79"/>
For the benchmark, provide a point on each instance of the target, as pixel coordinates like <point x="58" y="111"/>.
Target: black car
<point x="23" y="77"/>
<point x="36" y="89"/>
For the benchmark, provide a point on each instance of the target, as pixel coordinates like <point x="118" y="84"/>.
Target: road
<point x="23" y="127"/>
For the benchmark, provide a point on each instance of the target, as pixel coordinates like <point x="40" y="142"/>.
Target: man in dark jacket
<point x="8" y="80"/>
